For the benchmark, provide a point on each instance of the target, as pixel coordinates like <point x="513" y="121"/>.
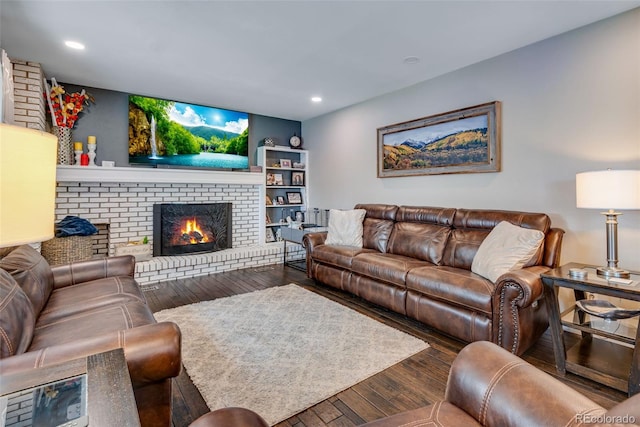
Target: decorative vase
<point x="65" y="148"/>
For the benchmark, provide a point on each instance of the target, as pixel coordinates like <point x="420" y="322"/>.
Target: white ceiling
<point x="269" y="57"/>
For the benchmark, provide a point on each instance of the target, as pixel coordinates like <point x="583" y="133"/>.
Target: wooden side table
<point x="605" y="361"/>
<point x="110" y="399"/>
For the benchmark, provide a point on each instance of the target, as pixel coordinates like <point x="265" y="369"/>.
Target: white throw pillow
<point x="345" y="227"/>
<point x="508" y="247"/>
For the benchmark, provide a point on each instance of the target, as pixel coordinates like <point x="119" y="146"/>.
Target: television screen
<point x="176" y="134"/>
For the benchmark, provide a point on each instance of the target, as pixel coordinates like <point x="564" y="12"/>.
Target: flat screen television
<point x="176" y="134"/>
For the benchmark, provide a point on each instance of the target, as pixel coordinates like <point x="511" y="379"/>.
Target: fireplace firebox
<point x="191" y="228"/>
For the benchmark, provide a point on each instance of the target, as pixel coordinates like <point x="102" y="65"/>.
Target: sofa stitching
<point x="127" y="316"/>
<point x="39" y="362"/>
<point x="5" y="338"/>
<point x="484" y="407"/>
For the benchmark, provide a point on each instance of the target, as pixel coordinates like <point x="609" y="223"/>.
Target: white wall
<point x="569" y="104"/>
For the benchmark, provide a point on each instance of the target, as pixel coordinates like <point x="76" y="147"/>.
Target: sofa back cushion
<point x="33" y="274"/>
<point x="378" y="224"/>
<point x="421" y="232"/>
<point x="472" y="226"/>
<point x="17" y="321"/>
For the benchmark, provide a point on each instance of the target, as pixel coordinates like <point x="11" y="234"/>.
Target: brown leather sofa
<point x="50" y="315"/>
<point x="487" y="386"/>
<point x="417" y="261"/>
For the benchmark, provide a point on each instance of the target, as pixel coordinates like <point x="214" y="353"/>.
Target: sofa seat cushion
<point x="438" y="414"/>
<point x="86" y="325"/>
<point x="456" y="286"/>
<point x="89" y="296"/>
<point x="339" y="256"/>
<point x="390" y="268"/>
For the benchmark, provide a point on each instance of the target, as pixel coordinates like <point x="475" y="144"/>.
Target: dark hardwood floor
<point x="412" y="383"/>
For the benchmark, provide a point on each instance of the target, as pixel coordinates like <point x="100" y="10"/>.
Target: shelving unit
<point x="285" y="185"/>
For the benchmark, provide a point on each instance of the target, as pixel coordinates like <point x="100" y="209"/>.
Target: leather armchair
<point x="489" y="386"/>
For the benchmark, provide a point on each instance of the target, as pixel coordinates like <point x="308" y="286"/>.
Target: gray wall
<point x="108" y="120"/>
<point x="570" y="104"/>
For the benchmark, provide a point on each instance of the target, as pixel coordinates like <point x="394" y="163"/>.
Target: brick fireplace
<point x="121" y="200"/>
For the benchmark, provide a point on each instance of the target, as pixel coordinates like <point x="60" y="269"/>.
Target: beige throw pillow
<point x="345" y="227"/>
<point x="508" y="247"/>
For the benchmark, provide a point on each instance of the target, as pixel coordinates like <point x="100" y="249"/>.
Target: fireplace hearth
<point x="180" y="229"/>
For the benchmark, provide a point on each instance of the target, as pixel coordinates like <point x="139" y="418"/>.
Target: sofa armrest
<point x="311" y="240"/>
<point x="84" y="271"/>
<point x="153" y="352"/>
<point x="526" y="280"/>
<point x="519" y="310"/>
<point x="482" y="381"/>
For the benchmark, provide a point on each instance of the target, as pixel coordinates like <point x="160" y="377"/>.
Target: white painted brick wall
<point x="128" y="209"/>
<point x="29" y="102"/>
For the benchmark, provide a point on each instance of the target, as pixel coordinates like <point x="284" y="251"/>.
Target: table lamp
<point x="612" y="190"/>
<point x="27" y="185"/>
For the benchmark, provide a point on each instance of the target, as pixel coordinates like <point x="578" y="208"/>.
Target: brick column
<point x="30" y="109"/>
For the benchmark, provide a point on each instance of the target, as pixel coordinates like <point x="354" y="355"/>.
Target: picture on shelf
<point x="277" y="179"/>
<point x="285" y="163"/>
<point x="267" y="200"/>
<point x="299" y="216"/>
<point x="270" y="236"/>
<point x="271" y="179"/>
<point x="297" y="178"/>
<point x="280" y="200"/>
<point x="294" y="198"/>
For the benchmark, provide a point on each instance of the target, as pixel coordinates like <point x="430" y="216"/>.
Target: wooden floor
<point x="415" y="382"/>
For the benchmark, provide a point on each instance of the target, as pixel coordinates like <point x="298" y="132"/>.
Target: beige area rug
<point x="282" y="350"/>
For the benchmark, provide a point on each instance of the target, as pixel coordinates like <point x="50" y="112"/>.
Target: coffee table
<point x="109" y="397"/>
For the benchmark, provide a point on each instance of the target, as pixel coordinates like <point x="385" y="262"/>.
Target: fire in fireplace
<point x="190" y="228"/>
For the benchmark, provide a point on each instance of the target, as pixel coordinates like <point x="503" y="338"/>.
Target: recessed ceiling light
<point x="316" y="99"/>
<point x="74" y="45"/>
<point x="410" y="60"/>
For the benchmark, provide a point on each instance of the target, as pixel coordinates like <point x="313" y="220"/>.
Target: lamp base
<point x="613" y="272"/>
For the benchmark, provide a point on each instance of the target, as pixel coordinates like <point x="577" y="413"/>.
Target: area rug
<point x="282" y="350"/>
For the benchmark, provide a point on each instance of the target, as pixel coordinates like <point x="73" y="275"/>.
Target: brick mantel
<point x="152" y="175"/>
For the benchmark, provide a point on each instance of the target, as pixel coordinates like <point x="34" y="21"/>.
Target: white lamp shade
<point x="27" y="185"/>
<point x="608" y="189"/>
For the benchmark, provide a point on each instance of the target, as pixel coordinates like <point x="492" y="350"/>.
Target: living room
<point x="570" y="103"/>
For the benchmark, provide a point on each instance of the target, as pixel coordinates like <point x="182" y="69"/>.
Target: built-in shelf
<point x="153" y="175"/>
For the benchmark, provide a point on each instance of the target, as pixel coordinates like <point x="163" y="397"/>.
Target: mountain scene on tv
<point x="186" y="135"/>
<point x="461" y="142"/>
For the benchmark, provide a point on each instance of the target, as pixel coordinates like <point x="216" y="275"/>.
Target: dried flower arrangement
<point x="65" y="107"/>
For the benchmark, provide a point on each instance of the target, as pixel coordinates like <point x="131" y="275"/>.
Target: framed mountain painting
<point x="460" y="141"/>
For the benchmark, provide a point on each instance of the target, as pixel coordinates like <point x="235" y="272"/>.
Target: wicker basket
<point x="65" y="250"/>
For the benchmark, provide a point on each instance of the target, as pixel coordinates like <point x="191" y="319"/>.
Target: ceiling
<point x="270" y="57"/>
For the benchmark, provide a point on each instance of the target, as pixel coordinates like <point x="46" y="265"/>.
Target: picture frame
<point x="294" y="198"/>
<point x="277" y="179"/>
<point x="271" y="179"/>
<point x="269" y="236"/>
<point x="467" y="140"/>
<point x="285" y="163"/>
<point x="299" y="216"/>
<point x="280" y="200"/>
<point x="297" y="178"/>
